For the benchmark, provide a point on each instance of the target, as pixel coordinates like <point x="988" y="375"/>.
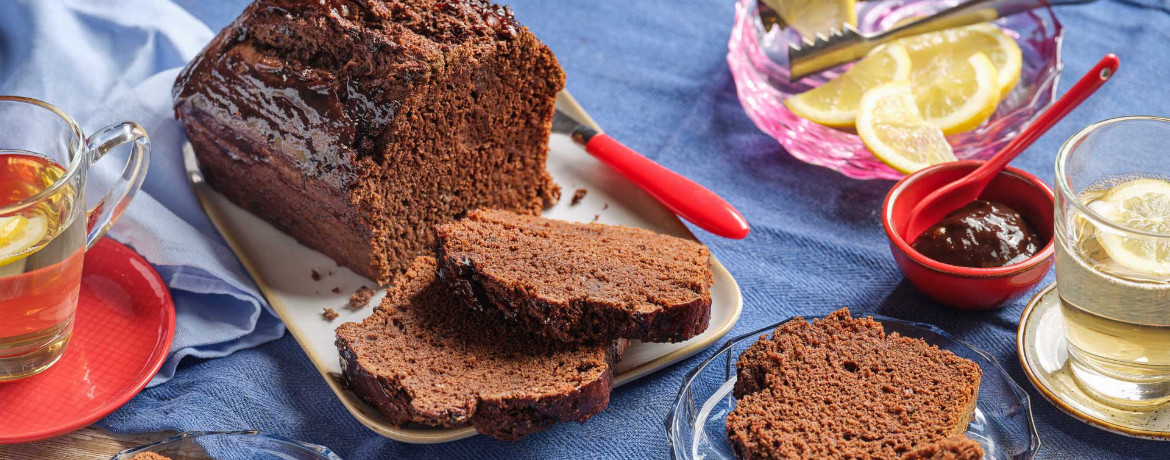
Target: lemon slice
<point x="962" y="42"/>
<point x="890" y="125"/>
<point x="956" y="94"/>
<point x="835" y="103"/>
<point x="816" y="17"/>
<point x="18" y="234"/>
<point x="1142" y="204"/>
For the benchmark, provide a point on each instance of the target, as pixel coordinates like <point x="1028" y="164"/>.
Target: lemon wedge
<point x="1142" y="204"/>
<point x="890" y="125"/>
<point x="962" y="42"/>
<point x="18" y="234"/>
<point x="956" y="94"/>
<point x="816" y="17"/>
<point x="835" y="103"/>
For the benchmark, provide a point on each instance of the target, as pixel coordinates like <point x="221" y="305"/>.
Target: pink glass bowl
<point x="757" y="60"/>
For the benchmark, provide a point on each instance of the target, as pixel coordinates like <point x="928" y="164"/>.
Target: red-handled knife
<point x="682" y="196"/>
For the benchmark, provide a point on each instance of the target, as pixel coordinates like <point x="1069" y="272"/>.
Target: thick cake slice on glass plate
<point x="841" y="388"/>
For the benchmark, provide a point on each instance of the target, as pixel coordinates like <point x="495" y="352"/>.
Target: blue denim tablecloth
<point x="653" y="73"/>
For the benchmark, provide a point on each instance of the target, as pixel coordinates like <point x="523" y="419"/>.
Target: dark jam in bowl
<point x="983" y="234"/>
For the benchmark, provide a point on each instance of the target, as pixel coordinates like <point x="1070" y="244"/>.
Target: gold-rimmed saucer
<point x="1041" y="346"/>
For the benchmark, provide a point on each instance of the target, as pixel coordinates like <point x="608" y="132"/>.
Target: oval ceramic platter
<point x="283" y="270"/>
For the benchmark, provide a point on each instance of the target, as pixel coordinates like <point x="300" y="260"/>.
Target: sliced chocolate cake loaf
<point x="578" y="282"/>
<point x="357" y="125"/>
<point x="841" y="388"/>
<point x="421" y="358"/>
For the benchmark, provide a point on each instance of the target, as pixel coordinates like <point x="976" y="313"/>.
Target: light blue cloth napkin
<point x="109" y="61"/>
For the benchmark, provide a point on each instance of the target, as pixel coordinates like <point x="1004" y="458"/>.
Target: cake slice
<point x="841" y="388"/>
<point x="420" y="358"/>
<point x="355" y="126"/>
<point x="577" y="282"/>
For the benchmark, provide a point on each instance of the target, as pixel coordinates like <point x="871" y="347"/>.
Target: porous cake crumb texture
<point x="420" y="358"/>
<point x="578" y="282"/>
<point x="841" y="388"/>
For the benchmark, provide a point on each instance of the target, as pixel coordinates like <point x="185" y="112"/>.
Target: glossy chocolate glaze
<point x="326" y="104"/>
<point x="983" y="234"/>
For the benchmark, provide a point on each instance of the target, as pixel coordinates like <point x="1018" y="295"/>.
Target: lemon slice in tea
<point x="835" y="103"/>
<point x="1142" y="204"/>
<point x="890" y="125"/>
<point x="20" y="236"/>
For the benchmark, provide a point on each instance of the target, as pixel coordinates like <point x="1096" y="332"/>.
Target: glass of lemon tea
<point x="1113" y="259"/>
<point x="45" y="226"/>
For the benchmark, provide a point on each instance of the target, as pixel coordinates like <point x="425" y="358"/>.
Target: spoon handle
<point x="1085" y="87"/>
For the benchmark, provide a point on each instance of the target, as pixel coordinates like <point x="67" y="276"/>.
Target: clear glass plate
<point x="758" y="64"/>
<point x="695" y="426"/>
<point x="225" y="445"/>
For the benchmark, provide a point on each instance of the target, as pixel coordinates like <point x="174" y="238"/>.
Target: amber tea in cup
<point x="44" y="160"/>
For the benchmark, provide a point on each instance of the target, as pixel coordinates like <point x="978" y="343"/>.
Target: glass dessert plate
<point x="757" y="60"/>
<point x="695" y="426"/>
<point x="198" y="445"/>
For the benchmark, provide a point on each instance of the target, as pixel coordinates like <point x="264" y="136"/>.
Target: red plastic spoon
<point x="959" y="193"/>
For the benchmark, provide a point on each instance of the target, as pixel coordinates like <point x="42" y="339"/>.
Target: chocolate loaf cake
<point x="841" y="388"/>
<point x="420" y="358"/>
<point x="578" y="282"/>
<point x="357" y="125"/>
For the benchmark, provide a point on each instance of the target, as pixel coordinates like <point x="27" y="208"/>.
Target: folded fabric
<point x="108" y="61"/>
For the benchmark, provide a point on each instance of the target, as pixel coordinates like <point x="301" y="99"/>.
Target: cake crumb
<point x="604" y="206"/>
<point x="360" y="298"/>
<point x="595" y="217"/>
<point x="337" y="290"/>
<point x="578" y="196"/>
<point x="316" y="276"/>
<point x="149" y="456"/>
<point x="330" y="314"/>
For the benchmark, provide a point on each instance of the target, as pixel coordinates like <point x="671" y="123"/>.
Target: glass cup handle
<point x="117" y="199"/>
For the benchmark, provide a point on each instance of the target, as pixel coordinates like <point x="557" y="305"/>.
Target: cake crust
<point x="842" y="388"/>
<point x="952" y="448"/>
<point x="577" y="282"/>
<point x="421" y="358"/>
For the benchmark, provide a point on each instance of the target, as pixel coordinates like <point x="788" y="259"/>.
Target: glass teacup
<point x="45" y="227"/>
<point x="1113" y="259"/>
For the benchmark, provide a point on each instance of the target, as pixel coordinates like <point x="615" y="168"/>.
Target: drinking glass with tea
<point x="1113" y="259"/>
<point x="45" y="227"/>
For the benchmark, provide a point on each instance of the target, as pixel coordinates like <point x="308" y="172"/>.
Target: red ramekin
<point x="964" y="287"/>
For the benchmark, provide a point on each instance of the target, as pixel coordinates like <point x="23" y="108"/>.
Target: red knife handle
<point x="683" y="196"/>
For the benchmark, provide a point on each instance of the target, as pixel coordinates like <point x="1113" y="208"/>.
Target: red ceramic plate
<point x="123" y="331"/>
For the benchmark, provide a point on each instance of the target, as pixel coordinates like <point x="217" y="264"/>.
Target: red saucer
<point x="123" y="331"/>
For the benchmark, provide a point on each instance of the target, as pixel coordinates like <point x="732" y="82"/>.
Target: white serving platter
<point x="282" y="269"/>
